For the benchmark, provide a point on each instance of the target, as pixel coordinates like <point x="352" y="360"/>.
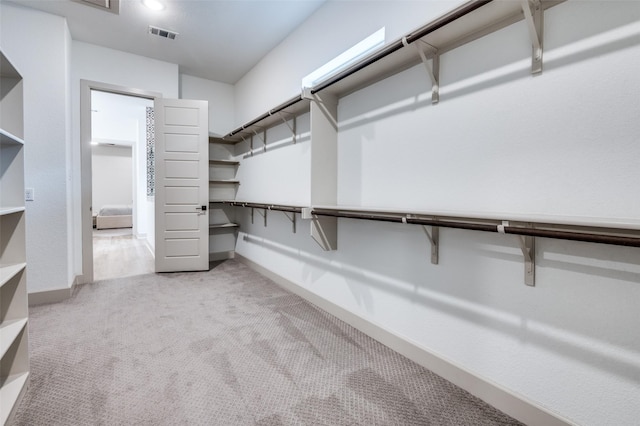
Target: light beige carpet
<point x="225" y="347"/>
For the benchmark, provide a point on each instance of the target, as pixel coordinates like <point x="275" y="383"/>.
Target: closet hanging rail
<point x="273" y="112"/>
<point x="399" y="44"/>
<point x="276" y="207"/>
<point x="600" y="235"/>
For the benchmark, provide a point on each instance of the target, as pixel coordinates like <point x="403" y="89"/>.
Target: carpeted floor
<point x="225" y="347"/>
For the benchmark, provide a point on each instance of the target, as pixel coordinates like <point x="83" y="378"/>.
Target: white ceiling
<point x="219" y="40"/>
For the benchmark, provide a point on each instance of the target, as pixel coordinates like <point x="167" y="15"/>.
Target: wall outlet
<point x="28" y="194"/>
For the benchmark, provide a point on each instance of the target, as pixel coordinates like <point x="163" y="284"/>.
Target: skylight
<point x="345" y="59"/>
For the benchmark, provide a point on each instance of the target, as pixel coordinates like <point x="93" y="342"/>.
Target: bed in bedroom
<point x="114" y="216"/>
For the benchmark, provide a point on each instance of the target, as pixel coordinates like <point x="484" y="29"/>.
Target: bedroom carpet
<point x="224" y="347"/>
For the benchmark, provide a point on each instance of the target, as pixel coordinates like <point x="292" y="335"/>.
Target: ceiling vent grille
<point x="112" y="6"/>
<point x="162" y="32"/>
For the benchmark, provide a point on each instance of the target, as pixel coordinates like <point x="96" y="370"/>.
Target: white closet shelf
<point x="224" y="162"/>
<point x="7" y="138"/>
<point x="10" y="392"/>
<point x="10" y="210"/>
<point x="621" y="224"/>
<point x="224" y="225"/>
<point x="10" y="331"/>
<point x="218" y="139"/>
<point x="293" y="107"/>
<point x="9" y="271"/>
<point x="225" y="181"/>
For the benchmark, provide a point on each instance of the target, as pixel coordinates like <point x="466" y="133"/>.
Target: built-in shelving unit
<point x="14" y="356"/>
<point x="223" y="186"/>
<point x="462" y="25"/>
<point x="8" y="139"/>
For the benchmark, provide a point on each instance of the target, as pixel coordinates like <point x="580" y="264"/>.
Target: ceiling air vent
<point x="112" y="6"/>
<point x="162" y="33"/>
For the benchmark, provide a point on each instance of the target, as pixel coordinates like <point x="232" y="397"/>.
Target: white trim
<point x="49" y="296"/>
<point x="86" y="217"/>
<point x="509" y="402"/>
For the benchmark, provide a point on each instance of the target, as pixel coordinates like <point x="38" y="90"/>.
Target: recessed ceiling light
<point x="153" y="4"/>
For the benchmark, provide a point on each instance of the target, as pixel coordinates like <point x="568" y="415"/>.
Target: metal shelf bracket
<point x="264" y="140"/>
<point x="434" y="239"/>
<point x="292" y="218"/>
<point x="263" y="214"/>
<point x="323" y="229"/>
<point x="250" y="143"/>
<point x="315" y="97"/>
<point x="528" y="248"/>
<point x="533" y="16"/>
<point x="291" y="127"/>
<point x="433" y="69"/>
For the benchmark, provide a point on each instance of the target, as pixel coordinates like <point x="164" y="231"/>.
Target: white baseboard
<point x="516" y="406"/>
<point x="54" y="295"/>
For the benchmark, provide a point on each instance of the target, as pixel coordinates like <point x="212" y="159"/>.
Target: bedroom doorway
<point x="117" y="193"/>
<point x="121" y="149"/>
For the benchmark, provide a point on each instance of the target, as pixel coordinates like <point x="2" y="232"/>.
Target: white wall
<point x="95" y="63"/>
<point x="38" y="45"/>
<point x="563" y="143"/>
<point x="112" y="180"/>
<point x="220" y="97"/>
<point x="312" y="45"/>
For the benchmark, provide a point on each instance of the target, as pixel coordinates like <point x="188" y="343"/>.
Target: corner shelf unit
<point x="223" y="185"/>
<point x="14" y="356"/>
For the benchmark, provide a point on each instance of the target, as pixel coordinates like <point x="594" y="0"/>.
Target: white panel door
<point x="182" y="185"/>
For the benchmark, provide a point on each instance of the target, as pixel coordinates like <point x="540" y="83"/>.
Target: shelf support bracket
<point x="533" y="15"/>
<point x="292" y="218"/>
<point x="528" y="247"/>
<point x="263" y="214"/>
<point x="264" y="140"/>
<point x="250" y="143"/>
<point x="433" y="70"/>
<point x="291" y="127"/>
<point x="434" y="239"/>
<point x="318" y="100"/>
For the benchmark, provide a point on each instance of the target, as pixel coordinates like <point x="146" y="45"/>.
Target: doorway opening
<point x="117" y="192"/>
<point x="121" y="138"/>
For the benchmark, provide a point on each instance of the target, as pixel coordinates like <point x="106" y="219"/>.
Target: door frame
<point x="86" y="177"/>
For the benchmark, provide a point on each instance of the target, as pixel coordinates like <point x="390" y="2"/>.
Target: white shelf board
<point x="224" y="162"/>
<point x="9" y="331"/>
<point x="223" y="225"/>
<point x="10" y="210"/>
<point x="270" y="119"/>
<point x="9" y="271"/>
<point x="584" y="221"/>
<point x="7" y="138"/>
<point x="9" y="394"/>
<point x="225" y="181"/>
